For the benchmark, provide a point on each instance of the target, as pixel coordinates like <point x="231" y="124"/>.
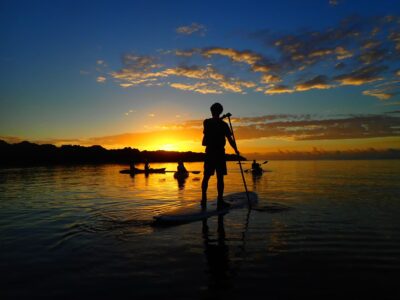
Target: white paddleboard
<point x="194" y="212"/>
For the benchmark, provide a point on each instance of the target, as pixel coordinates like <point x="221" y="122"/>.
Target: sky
<point x="296" y="75"/>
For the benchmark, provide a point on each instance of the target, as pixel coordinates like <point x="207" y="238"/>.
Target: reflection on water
<point x="217" y="256"/>
<point x="84" y="231"/>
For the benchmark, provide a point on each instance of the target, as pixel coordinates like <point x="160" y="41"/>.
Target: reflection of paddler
<point x="217" y="256"/>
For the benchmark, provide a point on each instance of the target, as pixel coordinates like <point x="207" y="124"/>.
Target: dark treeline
<point x="26" y="153"/>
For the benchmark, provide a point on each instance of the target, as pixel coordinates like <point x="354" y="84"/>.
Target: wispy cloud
<point x="200" y="87"/>
<point x="357" y="52"/>
<point x="245" y="56"/>
<point x="191" y="29"/>
<point x="381" y="95"/>
<point x="279" y="89"/>
<point x="101" y="79"/>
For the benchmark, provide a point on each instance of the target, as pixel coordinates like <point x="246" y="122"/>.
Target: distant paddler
<point x="181" y="171"/>
<point x="256" y="168"/>
<point x="146" y="166"/>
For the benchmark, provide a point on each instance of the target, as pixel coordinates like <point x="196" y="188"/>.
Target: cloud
<point x="101" y="79"/>
<point x="146" y="70"/>
<point x="371" y="44"/>
<point x="371" y="56"/>
<point x="342" y="53"/>
<point x="194" y="72"/>
<point x="285" y="127"/>
<point x="200" y="87"/>
<point x="337" y="128"/>
<point x="319" y="82"/>
<point x="279" y="89"/>
<point x="357" y="51"/>
<point x="269" y="78"/>
<point x="142" y="63"/>
<point x="381" y="95"/>
<point x="245" y="56"/>
<point x="312" y="127"/>
<point x="191" y="29"/>
<point x="362" y="75"/>
<point x="186" y="53"/>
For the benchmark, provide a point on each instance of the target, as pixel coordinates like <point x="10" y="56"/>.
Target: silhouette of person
<point x="181" y="168"/>
<point x="146" y="166"/>
<point x="255" y="166"/>
<point x="215" y="131"/>
<point x="132" y="166"/>
<point x="181" y="175"/>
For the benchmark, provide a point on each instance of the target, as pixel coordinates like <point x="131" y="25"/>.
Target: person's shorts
<point x="215" y="161"/>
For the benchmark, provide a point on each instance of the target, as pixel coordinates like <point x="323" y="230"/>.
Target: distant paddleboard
<point x="194" y="212"/>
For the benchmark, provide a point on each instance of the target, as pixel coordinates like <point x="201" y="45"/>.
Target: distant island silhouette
<point x="26" y="154"/>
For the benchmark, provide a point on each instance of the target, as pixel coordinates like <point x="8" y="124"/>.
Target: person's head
<point x="216" y="109"/>
<point x="254" y="161"/>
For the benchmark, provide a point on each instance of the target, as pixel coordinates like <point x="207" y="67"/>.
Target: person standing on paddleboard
<point x="215" y="132"/>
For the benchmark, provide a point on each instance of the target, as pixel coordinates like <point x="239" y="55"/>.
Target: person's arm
<point x="232" y="143"/>
<point x="229" y="136"/>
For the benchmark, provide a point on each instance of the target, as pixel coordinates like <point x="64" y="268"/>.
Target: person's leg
<point x="220" y="186"/>
<point x="204" y="187"/>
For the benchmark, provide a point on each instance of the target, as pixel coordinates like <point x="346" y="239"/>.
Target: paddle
<point x="228" y="115"/>
<point x="193" y="172"/>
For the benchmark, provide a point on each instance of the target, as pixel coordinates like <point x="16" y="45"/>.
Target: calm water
<point x="85" y="232"/>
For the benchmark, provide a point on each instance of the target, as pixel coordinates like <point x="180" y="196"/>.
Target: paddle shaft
<point x="193" y="172"/>
<point x="240" y="164"/>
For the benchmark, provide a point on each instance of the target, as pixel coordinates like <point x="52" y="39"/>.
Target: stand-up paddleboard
<point x="194" y="212"/>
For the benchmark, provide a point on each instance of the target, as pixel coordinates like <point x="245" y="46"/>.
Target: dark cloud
<point x="320" y="82"/>
<point x="362" y="75"/>
<point x="314" y="127"/>
<point x="339" y="128"/>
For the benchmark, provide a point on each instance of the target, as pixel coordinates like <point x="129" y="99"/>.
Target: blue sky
<point x="71" y="70"/>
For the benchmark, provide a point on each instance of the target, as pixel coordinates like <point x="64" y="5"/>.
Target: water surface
<point x="85" y="231"/>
